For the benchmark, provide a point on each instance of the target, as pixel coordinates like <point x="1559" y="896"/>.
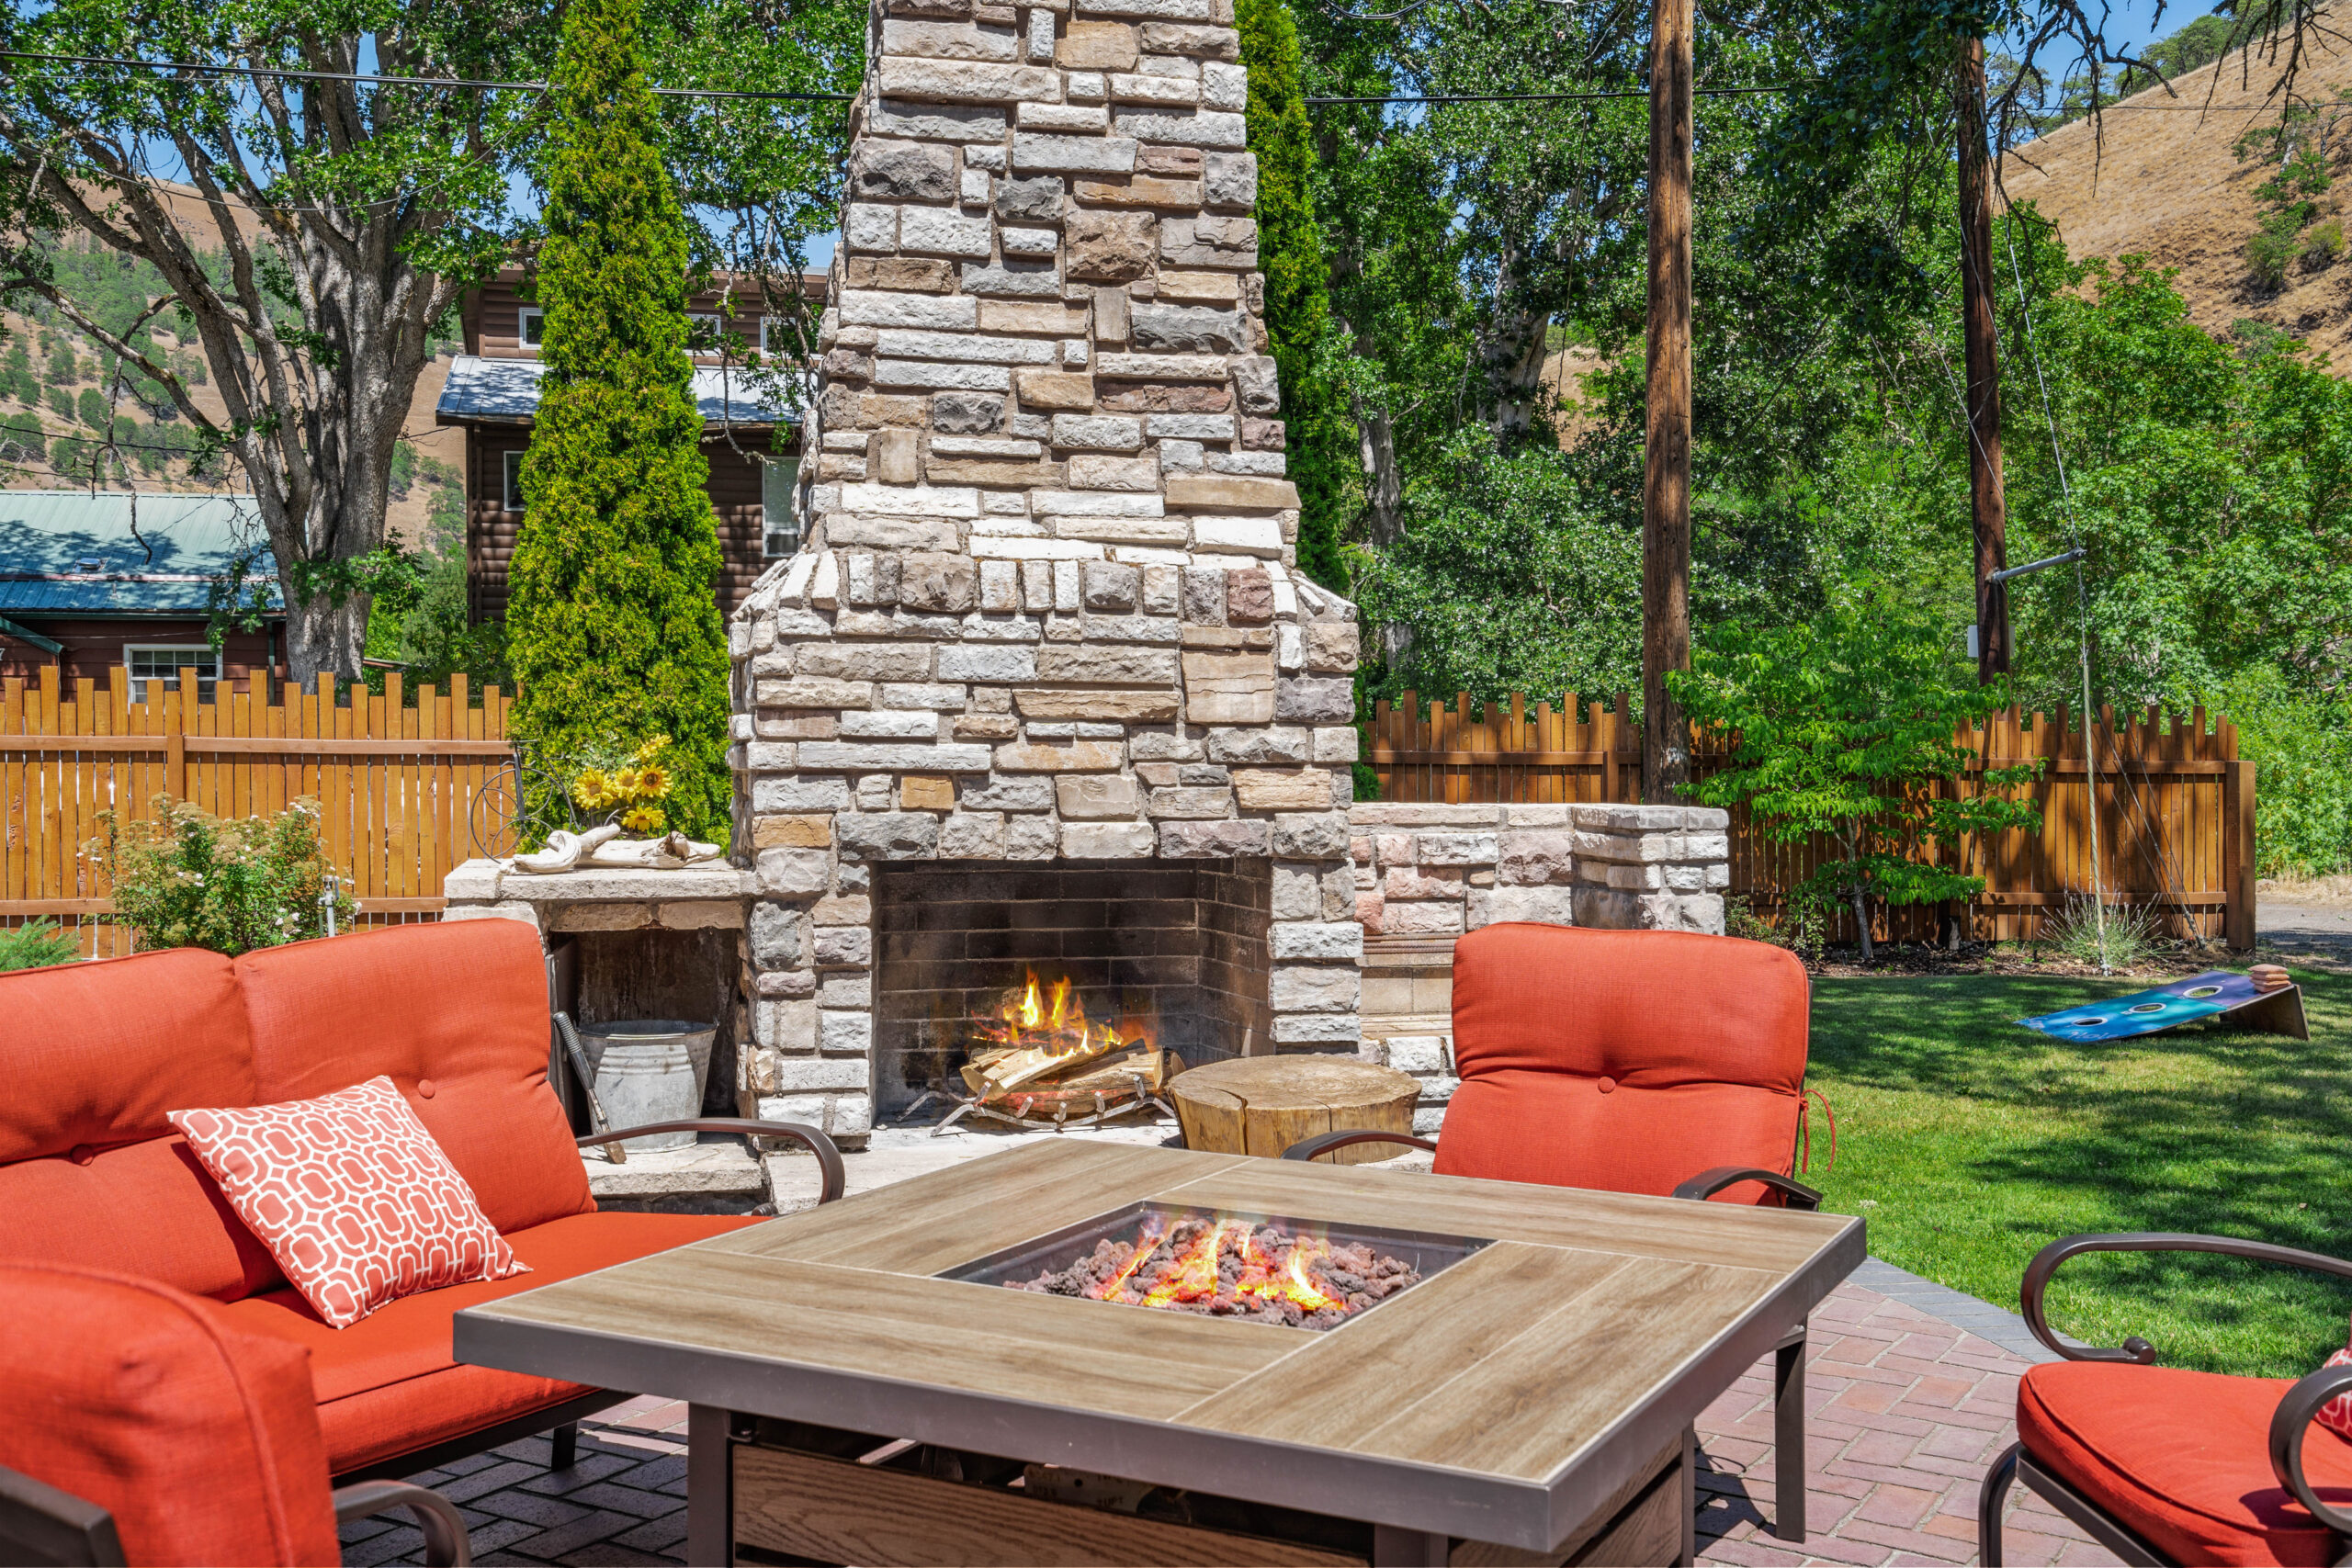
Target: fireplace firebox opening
<point x="978" y="960"/>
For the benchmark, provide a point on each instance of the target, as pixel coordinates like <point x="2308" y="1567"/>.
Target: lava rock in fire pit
<point x="1233" y="1268"/>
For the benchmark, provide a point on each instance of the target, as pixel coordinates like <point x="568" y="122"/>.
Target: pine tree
<point x="1298" y="306"/>
<point x="613" y="629"/>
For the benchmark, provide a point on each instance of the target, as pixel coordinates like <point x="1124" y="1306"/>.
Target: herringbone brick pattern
<point x="1905" y="1412"/>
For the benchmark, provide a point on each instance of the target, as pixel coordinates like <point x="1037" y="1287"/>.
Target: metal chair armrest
<point x="828" y="1158"/>
<point x="445" y="1545"/>
<point x="44" y="1523"/>
<point x="1324" y="1143"/>
<point x="2045" y="1264"/>
<point x="2288" y="1423"/>
<point x="1707" y="1183"/>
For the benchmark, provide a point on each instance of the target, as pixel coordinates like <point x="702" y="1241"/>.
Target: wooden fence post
<point x="2237" y="855"/>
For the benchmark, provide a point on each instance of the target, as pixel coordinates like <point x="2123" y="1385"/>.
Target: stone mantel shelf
<point x="490" y="881"/>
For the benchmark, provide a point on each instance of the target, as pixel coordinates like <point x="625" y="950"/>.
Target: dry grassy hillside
<point x="407" y="513"/>
<point x="2163" y="181"/>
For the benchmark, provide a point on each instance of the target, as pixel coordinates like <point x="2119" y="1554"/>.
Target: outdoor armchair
<point x="2164" y="1465"/>
<point x="140" y="1431"/>
<point x="1659" y="1062"/>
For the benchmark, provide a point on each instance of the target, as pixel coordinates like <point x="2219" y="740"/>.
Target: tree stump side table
<point x="1261" y="1105"/>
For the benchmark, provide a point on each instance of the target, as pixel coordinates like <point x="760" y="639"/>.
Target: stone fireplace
<point x="1045" y="660"/>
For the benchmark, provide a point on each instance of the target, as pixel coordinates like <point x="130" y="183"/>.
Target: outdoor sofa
<point x="94" y="1055"/>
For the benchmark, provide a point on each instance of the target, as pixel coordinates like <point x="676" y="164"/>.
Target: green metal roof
<point x="69" y="552"/>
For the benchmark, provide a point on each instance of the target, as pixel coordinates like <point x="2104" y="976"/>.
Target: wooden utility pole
<point x="1979" y="330"/>
<point x="1666" y="448"/>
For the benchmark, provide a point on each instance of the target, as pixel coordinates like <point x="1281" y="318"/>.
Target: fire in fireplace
<point x="1293" y="1273"/>
<point x="1038" y="1045"/>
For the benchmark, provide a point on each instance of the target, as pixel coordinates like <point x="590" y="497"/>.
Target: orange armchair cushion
<point x="2181" y="1458"/>
<point x="1628" y="1061"/>
<point x="203" y="1443"/>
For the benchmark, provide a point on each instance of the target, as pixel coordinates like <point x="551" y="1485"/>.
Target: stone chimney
<point x="1046" y="606"/>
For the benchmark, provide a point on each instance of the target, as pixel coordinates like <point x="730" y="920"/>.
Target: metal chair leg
<point x="1788" y="1437"/>
<point x="1997" y="1482"/>
<point x="565" y="1444"/>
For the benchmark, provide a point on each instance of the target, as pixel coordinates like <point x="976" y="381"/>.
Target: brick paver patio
<point x="1910" y="1390"/>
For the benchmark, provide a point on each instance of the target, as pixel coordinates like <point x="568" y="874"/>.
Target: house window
<point x="155" y="667"/>
<point x="531" y="327"/>
<point x="780" y="526"/>
<point x="775" y="336"/>
<point x="703" y="328"/>
<point x="511" y="497"/>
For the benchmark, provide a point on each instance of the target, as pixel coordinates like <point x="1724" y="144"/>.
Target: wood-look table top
<point x="1500" y="1399"/>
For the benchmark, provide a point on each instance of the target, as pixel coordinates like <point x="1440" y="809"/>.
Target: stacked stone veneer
<point x="1046" y="608"/>
<point x="1439" y="871"/>
<point x="1427" y="874"/>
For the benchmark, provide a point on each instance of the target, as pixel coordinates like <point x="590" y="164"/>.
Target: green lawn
<point x="1968" y="1143"/>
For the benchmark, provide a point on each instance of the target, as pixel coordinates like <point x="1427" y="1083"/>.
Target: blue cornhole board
<point x="2210" y="995"/>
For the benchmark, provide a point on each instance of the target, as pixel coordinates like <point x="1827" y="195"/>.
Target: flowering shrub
<point x="185" y="878"/>
<point x="625" y="787"/>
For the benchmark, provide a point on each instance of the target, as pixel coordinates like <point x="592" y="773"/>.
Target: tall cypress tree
<point x="1298" y="303"/>
<point x="613" y="627"/>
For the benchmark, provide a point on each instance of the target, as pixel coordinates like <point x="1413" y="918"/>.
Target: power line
<point x="258" y="72"/>
<point x="1550" y="97"/>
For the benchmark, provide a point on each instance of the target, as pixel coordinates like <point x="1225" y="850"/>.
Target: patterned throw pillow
<point x="2336" y="1414"/>
<point x="352" y="1196"/>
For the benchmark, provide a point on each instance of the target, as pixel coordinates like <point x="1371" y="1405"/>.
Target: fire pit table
<point x="1084" y="1353"/>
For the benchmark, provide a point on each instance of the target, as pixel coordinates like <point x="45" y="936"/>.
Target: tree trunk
<point x="1666" y="455"/>
<point x="1861" y="900"/>
<point x="1980" y="331"/>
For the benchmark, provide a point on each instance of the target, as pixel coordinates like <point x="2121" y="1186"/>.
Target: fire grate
<point x="1220" y="1263"/>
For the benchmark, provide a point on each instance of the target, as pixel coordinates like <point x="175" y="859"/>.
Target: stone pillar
<point x="1652" y="867"/>
<point x="1048" y="606"/>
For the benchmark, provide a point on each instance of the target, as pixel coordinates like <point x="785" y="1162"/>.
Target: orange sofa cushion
<point x="456" y="1014"/>
<point x="203" y="1443"/>
<point x="385" y="1385"/>
<point x="2182" y="1458"/>
<point x="90" y="1173"/>
<point x="1628" y="1061"/>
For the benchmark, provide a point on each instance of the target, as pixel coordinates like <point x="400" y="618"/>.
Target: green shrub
<point x="2323" y="242"/>
<point x="36" y="944"/>
<point x="185" y="878"/>
<point x="2301" y="745"/>
<point x="614" y="625"/>
<point x="2272" y="249"/>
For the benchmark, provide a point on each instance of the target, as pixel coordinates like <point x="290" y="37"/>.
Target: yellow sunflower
<point x="591" y="788"/>
<point x="653" y="783"/>
<point x="644" y="819"/>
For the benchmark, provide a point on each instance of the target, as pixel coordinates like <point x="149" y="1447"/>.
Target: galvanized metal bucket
<point x="648" y="1070"/>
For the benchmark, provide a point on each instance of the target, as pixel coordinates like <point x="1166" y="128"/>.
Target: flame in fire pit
<point x="1232" y="1267"/>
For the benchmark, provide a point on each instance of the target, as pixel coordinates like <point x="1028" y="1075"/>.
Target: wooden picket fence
<point x="2176" y="806"/>
<point x="396" y="783"/>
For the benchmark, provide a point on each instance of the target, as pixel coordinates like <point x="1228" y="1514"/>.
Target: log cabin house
<point x="92" y="579"/>
<point x="492" y="393"/>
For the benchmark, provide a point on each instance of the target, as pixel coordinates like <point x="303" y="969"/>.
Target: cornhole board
<point x="2210" y="995"/>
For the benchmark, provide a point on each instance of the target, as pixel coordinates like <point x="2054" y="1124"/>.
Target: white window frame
<point x="767" y="348"/>
<point x="779" y="477"/>
<point x="198" y="655"/>
<point x="524" y="316"/>
<point x="510" y="480"/>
